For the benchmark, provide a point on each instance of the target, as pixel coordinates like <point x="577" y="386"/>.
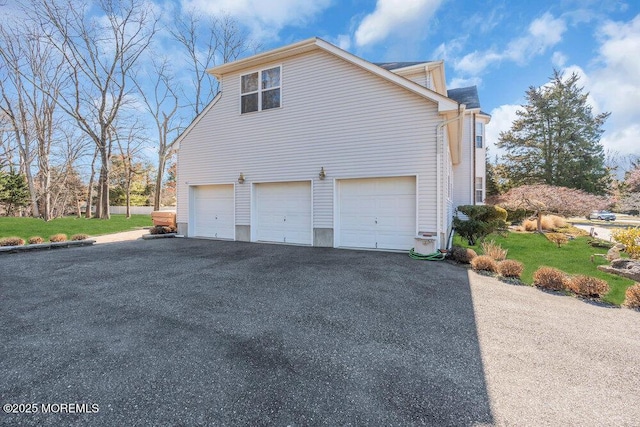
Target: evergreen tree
<point x="556" y="139"/>
<point x="14" y="192"/>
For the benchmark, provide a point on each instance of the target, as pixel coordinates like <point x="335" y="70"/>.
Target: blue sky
<point x="503" y="47"/>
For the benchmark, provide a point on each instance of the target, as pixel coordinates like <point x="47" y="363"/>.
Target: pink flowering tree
<point x="543" y="199"/>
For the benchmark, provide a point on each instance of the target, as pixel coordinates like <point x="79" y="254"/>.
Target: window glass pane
<point x="271" y="78"/>
<point x="250" y="83"/>
<point x="249" y="103"/>
<point x="478" y="142"/>
<point x="270" y="99"/>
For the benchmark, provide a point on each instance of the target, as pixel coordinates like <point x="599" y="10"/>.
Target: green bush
<point x="482" y="221"/>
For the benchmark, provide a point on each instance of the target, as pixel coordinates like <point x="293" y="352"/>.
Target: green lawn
<point x="29" y="227"/>
<point x="534" y="250"/>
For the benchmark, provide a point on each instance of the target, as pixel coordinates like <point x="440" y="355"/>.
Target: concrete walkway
<point x="120" y="237"/>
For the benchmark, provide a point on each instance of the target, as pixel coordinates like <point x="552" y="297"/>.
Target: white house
<point x="308" y="144"/>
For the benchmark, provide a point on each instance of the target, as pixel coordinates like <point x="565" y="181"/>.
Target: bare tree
<point x="129" y="143"/>
<point x="101" y="51"/>
<point x="217" y="40"/>
<point x="162" y="105"/>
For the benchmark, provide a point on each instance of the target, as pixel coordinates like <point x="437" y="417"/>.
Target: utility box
<point x="425" y="243"/>
<point x="164" y="218"/>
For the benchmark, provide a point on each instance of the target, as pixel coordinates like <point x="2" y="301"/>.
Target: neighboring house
<point x="308" y="144"/>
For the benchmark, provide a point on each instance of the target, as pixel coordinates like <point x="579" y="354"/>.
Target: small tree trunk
<point x="539" y="221"/>
<point x="157" y="197"/>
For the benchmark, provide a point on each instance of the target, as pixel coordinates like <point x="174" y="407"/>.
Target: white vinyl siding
<point x="337" y="116"/>
<point x="463" y="178"/>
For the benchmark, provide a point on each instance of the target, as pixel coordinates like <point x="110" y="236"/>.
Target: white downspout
<point x="440" y="149"/>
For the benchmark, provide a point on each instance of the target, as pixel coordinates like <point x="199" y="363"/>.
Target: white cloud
<point x="543" y="33"/>
<point x="501" y="119"/>
<point x="390" y="15"/>
<point x="623" y="140"/>
<point x="457" y="82"/>
<point x="558" y="59"/>
<point x="343" y="41"/>
<point x="265" y="18"/>
<point x="615" y="84"/>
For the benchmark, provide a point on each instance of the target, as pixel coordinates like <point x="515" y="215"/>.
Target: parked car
<point x="602" y="215"/>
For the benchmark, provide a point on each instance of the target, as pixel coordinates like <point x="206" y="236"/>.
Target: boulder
<point x="628" y="268"/>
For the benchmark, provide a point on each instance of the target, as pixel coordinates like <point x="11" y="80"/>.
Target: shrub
<point x="557" y="238"/>
<point x="630" y="238"/>
<point x="632" y="296"/>
<point x="482" y="221"/>
<point x="588" y="286"/>
<point x="80" y="237"/>
<point x="162" y="229"/>
<point x="549" y="278"/>
<point x="484" y="263"/>
<point x="557" y="221"/>
<point x="494" y="250"/>
<point x="510" y="268"/>
<point x="58" y="238"/>
<point x="501" y="213"/>
<point x="35" y="240"/>
<point x="548" y="222"/>
<point x="11" y="241"/>
<point x="462" y="255"/>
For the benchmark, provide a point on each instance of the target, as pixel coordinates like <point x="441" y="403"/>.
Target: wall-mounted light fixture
<point x="322" y="174"/>
<point x="241" y="178"/>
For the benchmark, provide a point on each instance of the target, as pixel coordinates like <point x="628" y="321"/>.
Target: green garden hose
<point x="436" y="256"/>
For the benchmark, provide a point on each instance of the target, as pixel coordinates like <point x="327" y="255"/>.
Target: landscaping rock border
<point x="43" y="246"/>
<point x="158" y="236"/>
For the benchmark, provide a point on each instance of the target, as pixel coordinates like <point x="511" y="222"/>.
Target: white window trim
<point x="260" y="90"/>
<point x="480" y="134"/>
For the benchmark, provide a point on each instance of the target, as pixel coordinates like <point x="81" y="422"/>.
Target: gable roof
<point x="444" y="103"/>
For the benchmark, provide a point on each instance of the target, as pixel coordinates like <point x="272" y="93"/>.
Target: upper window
<point x="479" y="190"/>
<point x="479" y="134"/>
<point x="260" y="90"/>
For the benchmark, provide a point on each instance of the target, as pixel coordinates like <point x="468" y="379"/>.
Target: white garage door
<point x="283" y="212"/>
<point x="213" y="213"/>
<point x="377" y="213"/>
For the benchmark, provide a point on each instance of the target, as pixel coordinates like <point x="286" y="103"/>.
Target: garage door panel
<point x="377" y="213"/>
<point x="283" y="212"/>
<point x="214" y="214"/>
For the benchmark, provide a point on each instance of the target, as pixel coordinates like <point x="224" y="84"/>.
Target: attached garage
<point x="282" y="212"/>
<point x="213" y="211"/>
<point x="376" y="213"/>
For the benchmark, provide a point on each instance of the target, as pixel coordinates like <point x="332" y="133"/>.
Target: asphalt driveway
<point x="196" y="332"/>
